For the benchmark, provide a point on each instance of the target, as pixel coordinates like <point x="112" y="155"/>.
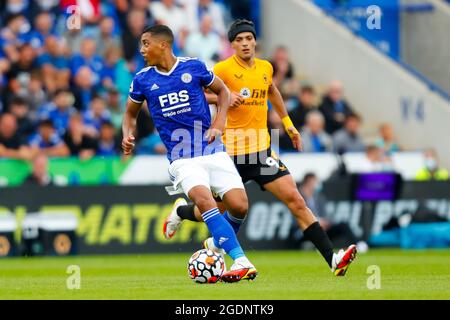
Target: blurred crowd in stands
<point x="65" y="72"/>
<point x="330" y="124"/>
<point x="66" y="67"/>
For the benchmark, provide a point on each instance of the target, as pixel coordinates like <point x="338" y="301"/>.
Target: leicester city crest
<point x="186" y="77"/>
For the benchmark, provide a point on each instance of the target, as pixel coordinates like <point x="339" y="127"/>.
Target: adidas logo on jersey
<point x="154" y="87"/>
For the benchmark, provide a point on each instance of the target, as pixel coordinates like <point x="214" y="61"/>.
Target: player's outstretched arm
<point x="277" y="102"/>
<point x="129" y="125"/>
<point x="223" y="103"/>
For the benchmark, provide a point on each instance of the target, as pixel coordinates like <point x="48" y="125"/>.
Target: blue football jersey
<point x="178" y="106"/>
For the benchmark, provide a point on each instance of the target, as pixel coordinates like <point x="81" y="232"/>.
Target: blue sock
<point x="235" y="222"/>
<point x="223" y="233"/>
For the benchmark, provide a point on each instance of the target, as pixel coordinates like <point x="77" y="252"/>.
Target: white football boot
<point x="342" y="259"/>
<point x="173" y="220"/>
<point x="242" y="269"/>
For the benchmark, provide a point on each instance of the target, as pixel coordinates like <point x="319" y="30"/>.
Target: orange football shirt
<point x="246" y="129"/>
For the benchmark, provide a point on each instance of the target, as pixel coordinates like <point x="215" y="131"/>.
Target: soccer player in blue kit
<point x="173" y="88"/>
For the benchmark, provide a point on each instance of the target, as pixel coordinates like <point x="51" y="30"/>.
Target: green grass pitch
<point x="283" y="275"/>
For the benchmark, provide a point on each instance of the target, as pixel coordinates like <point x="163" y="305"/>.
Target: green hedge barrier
<point x="70" y="171"/>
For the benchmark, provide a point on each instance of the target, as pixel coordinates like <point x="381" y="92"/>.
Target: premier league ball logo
<point x="246" y="93"/>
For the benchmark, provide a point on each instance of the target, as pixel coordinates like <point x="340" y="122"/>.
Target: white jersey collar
<point x="171" y="70"/>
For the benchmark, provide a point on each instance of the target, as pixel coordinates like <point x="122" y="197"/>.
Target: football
<point x="205" y="266"/>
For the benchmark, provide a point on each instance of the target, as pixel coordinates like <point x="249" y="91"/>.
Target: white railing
<point x="145" y="170"/>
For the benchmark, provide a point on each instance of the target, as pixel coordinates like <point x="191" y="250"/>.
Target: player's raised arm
<point x="223" y="102"/>
<point x="277" y="102"/>
<point x="129" y="125"/>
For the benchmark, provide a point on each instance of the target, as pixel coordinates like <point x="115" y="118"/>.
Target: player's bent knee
<point x="221" y="206"/>
<point x="237" y="203"/>
<point x="204" y="202"/>
<point x="239" y="210"/>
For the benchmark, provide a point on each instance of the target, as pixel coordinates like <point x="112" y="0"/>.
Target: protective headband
<point x="244" y="27"/>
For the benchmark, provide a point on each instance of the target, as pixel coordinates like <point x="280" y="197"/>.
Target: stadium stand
<point x="63" y="88"/>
